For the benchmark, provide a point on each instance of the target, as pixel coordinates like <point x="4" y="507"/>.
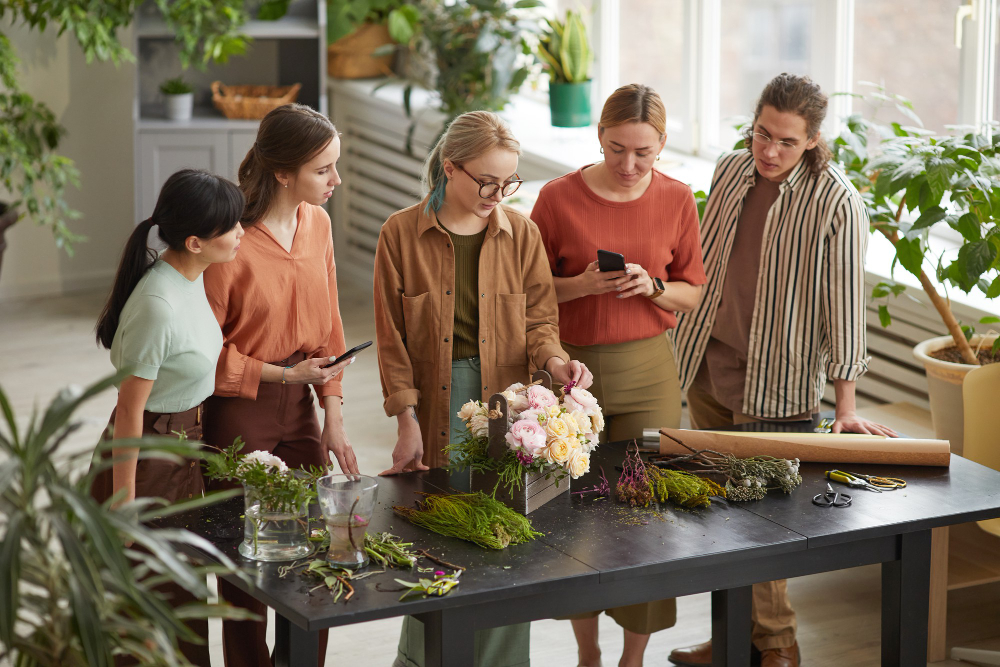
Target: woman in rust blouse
<point x="281" y="325"/>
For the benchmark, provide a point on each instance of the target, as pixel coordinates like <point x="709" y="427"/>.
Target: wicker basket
<point x="251" y="102"/>
<point x="350" y="57"/>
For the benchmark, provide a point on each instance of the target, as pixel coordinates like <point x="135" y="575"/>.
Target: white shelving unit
<point x="290" y="50"/>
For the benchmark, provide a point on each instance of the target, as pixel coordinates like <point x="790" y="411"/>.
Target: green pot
<point x="570" y="104"/>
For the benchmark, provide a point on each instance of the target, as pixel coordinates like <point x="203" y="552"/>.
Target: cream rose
<point x="480" y="425"/>
<point x="597" y="421"/>
<point x="556" y="427"/>
<point x="581" y="420"/>
<point x="557" y="451"/>
<point x="578" y="463"/>
<point x="553" y="411"/>
<point x="468" y="410"/>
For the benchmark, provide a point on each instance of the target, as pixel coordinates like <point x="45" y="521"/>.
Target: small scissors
<point x="887" y="483"/>
<point x="832" y="498"/>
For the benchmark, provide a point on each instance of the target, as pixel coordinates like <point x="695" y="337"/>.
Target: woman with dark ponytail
<point x="160" y="329"/>
<point x="280" y="316"/>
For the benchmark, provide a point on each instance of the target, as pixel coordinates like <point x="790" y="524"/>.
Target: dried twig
<point x="439" y="561"/>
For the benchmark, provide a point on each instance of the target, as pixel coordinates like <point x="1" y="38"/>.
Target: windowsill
<point x="558" y="150"/>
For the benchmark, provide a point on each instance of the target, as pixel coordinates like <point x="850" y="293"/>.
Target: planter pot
<point x="944" y="385"/>
<point x="8" y="216"/>
<point x="273" y="535"/>
<point x="350" y="57"/>
<point x="570" y="104"/>
<point x="178" y="107"/>
<point x="537" y="488"/>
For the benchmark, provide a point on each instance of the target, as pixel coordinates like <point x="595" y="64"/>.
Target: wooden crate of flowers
<point x="526" y="444"/>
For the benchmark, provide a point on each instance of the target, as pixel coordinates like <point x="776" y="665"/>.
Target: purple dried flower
<point x="523" y="458"/>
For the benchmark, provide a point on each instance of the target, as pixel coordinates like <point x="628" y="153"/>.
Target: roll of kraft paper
<point x="818" y="447"/>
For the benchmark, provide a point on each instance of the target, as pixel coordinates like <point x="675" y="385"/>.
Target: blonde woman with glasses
<point x="464" y="307"/>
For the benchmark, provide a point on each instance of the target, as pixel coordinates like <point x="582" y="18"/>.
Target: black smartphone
<point x="610" y="261"/>
<point x="346" y="355"/>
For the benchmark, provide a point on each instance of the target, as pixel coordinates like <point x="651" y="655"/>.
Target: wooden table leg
<point x="905" y="594"/>
<point x="449" y="638"/>
<point x="731" y="627"/>
<point x="937" y="614"/>
<point x="293" y="646"/>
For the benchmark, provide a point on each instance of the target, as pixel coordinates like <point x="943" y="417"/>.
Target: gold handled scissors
<point x="887" y="483"/>
<point x="851" y="480"/>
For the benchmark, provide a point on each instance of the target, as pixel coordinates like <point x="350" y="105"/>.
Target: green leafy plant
<point x="31" y="169"/>
<point x="279" y="490"/>
<point x="474" y="54"/>
<point x="914" y="181"/>
<point x="565" y="49"/>
<point x="72" y="594"/>
<point x="346" y="16"/>
<point x="176" y="86"/>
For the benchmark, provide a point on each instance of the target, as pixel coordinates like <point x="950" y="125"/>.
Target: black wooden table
<point x="597" y="555"/>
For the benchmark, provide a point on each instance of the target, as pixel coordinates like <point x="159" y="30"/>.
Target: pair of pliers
<point x="851" y="480"/>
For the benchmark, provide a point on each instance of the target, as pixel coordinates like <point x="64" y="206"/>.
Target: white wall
<point x="94" y="103"/>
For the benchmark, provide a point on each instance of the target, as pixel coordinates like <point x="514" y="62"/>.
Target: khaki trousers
<point x="774" y="623"/>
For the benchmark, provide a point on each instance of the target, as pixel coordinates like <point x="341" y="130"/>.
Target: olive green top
<point x="465" y="333"/>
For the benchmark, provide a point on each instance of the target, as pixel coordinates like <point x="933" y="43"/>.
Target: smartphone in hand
<point x="346" y="355"/>
<point x="610" y="261"/>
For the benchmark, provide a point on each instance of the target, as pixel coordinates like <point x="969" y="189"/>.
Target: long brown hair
<point x="468" y="136"/>
<point x="192" y="202"/>
<point x="789" y="93"/>
<point x="288" y="137"/>
<point x="634" y="103"/>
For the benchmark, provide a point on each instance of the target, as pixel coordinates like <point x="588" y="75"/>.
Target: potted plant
<point x="913" y="182"/>
<point x="70" y="588"/>
<point x="565" y="52"/>
<point x="178" y="99"/>
<point x="474" y="54"/>
<point x="30" y="164"/>
<point x="360" y="34"/>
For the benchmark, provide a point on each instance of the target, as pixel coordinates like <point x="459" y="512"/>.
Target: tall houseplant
<point x="31" y="168"/>
<point x="72" y="593"/>
<point x="914" y="182"/>
<point x="565" y="51"/>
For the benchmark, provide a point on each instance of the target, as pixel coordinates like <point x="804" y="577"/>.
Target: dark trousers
<point x="281" y="421"/>
<point x="163" y="479"/>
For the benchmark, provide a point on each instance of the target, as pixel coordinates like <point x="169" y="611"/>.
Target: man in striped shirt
<point x="784" y="236"/>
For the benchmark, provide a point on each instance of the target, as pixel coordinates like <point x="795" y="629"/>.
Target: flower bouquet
<point x="276" y="500"/>
<point x="527" y="440"/>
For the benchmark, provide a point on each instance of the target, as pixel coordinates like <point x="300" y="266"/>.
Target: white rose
<point x="597" y="421"/>
<point x="468" y="410"/>
<point x="479" y="425"/>
<point x="267" y="459"/>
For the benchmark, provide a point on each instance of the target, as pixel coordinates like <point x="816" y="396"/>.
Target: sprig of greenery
<point x="278" y="491"/>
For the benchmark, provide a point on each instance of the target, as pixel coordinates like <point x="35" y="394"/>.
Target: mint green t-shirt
<point x="168" y="333"/>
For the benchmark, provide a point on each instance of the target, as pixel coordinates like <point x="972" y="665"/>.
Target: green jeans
<point x="506" y="646"/>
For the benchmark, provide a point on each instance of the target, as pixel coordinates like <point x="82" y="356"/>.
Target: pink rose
<point x="580" y="399"/>
<point x="539" y="397"/>
<point x="527" y="435"/>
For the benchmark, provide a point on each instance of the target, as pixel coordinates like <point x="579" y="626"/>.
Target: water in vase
<point x="347" y="540"/>
<point x="275" y="536"/>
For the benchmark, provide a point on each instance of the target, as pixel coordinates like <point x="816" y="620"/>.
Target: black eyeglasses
<point x="488" y="190"/>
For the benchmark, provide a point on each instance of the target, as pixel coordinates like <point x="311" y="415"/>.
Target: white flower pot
<point x="944" y="386"/>
<point x="178" y="107"/>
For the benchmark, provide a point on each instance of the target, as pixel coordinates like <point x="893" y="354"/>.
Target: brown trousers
<point x="281" y="421"/>
<point x="774" y="623"/>
<point x="163" y="479"/>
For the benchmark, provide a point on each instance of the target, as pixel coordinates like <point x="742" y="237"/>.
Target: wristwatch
<point x="657" y="288"/>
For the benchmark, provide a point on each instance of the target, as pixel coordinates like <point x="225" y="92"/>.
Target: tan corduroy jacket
<point x="415" y="314"/>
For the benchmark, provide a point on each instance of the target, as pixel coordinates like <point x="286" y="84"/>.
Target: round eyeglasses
<point x="765" y="140"/>
<point x="488" y="190"/>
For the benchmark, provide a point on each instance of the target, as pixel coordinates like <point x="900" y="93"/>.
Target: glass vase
<point x="347" y="502"/>
<point x="271" y="534"/>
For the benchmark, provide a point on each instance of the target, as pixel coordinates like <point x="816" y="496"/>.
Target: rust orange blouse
<point x="271" y="303"/>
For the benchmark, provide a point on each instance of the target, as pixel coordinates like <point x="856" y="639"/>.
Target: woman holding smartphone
<point x="160" y="329"/>
<point x="280" y="319"/>
<point x="617" y="320"/>
<point x="464" y="307"/>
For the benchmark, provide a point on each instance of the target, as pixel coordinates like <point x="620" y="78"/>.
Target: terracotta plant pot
<point x="8" y="216"/>
<point x="944" y="385"/>
<point x="350" y="57"/>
